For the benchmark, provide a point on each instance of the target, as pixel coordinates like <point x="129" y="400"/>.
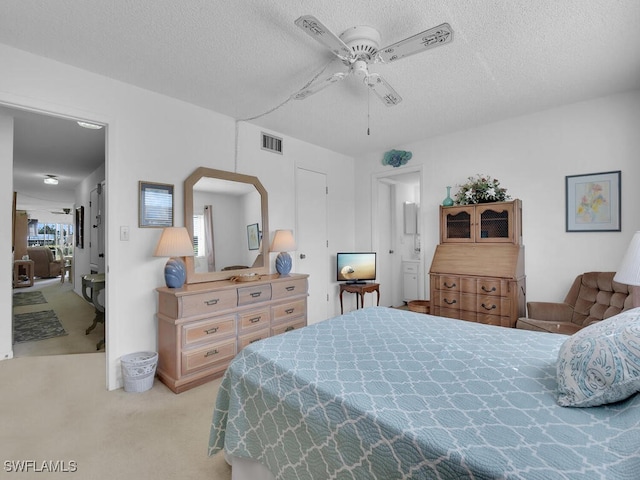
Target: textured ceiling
<point x="243" y="58"/>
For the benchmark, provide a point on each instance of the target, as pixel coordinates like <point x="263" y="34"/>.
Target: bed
<point x="382" y="393"/>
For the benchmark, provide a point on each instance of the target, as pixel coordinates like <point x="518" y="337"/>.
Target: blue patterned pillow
<point x="601" y="363"/>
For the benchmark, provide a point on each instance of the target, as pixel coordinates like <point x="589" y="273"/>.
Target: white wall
<point x="154" y="138"/>
<point x="277" y="174"/>
<point x="531" y="155"/>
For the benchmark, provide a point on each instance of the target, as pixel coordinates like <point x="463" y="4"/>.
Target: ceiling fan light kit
<point x="358" y="47"/>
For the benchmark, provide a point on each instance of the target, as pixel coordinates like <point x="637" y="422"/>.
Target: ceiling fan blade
<point x="316" y="87"/>
<point x="383" y="90"/>
<point x="322" y="34"/>
<point x="431" y="38"/>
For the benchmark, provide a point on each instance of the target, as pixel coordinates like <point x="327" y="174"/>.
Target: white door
<point x="311" y="238"/>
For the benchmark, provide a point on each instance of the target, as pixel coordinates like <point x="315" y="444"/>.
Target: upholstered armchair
<point x="593" y="296"/>
<point x="45" y="265"/>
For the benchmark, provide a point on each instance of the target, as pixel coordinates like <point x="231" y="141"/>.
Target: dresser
<point x="202" y="326"/>
<point x="477" y="273"/>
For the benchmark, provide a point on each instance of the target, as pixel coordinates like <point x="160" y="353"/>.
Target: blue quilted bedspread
<point x="385" y="394"/>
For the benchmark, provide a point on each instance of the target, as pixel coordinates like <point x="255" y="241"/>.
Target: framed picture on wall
<point x="253" y="235"/>
<point x="155" y="207"/>
<point x="593" y="202"/>
<point x="80" y="227"/>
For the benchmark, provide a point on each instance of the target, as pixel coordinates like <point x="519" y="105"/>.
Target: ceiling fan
<point x="62" y="211"/>
<point x="358" y="47"/>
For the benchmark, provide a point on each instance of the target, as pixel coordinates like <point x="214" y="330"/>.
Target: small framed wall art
<point x="253" y="235"/>
<point x="155" y="207"/>
<point x="593" y="202"/>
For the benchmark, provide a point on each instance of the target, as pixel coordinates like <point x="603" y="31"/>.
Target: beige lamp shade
<point x="174" y="242"/>
<point x="283" y="241"/>
<point x="629" y="270"/>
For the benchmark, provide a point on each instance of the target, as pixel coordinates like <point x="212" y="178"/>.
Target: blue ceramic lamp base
<point x="283" y="263"/>
<point x="175" y="273"/>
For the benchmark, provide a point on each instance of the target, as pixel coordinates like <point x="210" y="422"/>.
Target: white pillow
<point x="600" y="364"/>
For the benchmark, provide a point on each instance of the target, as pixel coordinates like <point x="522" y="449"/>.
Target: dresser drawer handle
<point x="290" y="289"/>
<point x="211" y="330"/>
<point x="289" y="328"/>
<point x="452" y="302"/>
<point x="449" y="286"/>
<point x="289" y="311"/>
<point x="492" y="307"/>
<point x="211" y="352"/>
<point x="255" y="319"/>
<point x="212" y="302"/>
<point x="485" y="289"/>
<point x="255" y="340"/>
<point x="256" y="294"/>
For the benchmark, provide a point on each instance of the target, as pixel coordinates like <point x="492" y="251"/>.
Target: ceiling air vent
<point x="271" y="143"/>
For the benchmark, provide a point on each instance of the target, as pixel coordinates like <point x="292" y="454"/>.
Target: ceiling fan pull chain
<point x="368" y="103"/>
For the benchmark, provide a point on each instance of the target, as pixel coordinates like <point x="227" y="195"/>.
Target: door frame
<point x="376" y="179"/>
<point x="43" y="107"/>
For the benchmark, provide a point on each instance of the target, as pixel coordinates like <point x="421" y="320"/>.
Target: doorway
<point x="48" y="145"/>
<point x="396" y="231"/>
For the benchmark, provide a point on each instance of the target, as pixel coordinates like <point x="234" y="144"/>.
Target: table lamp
<point x="174" y="243"/>
<point x="629" y="270"/>
<point x="283" y="242"/>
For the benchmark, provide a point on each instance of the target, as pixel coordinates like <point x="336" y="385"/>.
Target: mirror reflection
<point x="227" y="225"/>
<point x="226" y="215"/>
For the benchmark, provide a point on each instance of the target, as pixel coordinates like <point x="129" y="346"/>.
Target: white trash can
<point x="138" y="371"/>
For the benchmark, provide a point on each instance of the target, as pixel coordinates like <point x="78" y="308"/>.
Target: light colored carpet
<point x="56" y="408"/>
<point x="75" y="315"/>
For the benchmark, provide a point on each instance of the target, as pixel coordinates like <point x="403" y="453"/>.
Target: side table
<point x="94" y="283"/>
<point x="22" y="273"/>
<point x="359" y="289"/>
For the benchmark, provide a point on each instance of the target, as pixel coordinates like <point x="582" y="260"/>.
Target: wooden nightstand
<point x="359" y="289"/>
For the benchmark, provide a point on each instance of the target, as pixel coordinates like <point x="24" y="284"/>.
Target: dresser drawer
<point x="288" y="326"/>
<point x="252" y="337"/>
<point x="492" y="305"/>
<point x="208" y="303"/>
<point x="207" y="356"/>
<point x="488" y="286"/>
<point x="254" y="294"/>
<point x="208" y="330"/>
<point x="448" y="283"/>
<point x="449" y="312"/>
<point x="288" y="288"/>
<point x="448" y="299"/>
<point x="500" y="321"/>
<point x="255" y="319"/>
<point x="289" y="309"/>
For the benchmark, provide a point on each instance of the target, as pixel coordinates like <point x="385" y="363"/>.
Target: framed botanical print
<point x="593" y="202"/>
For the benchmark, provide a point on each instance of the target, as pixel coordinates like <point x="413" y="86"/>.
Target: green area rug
<point x="21" y="299"/>
<point x="30" y="327"/>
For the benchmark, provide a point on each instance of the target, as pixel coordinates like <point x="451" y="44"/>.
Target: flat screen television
<point x="356" y="267"/>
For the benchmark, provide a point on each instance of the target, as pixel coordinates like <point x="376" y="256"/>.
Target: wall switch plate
<point x="124" y="234"/>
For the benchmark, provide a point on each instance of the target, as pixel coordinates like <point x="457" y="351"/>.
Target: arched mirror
<point x="226" y="215"/>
